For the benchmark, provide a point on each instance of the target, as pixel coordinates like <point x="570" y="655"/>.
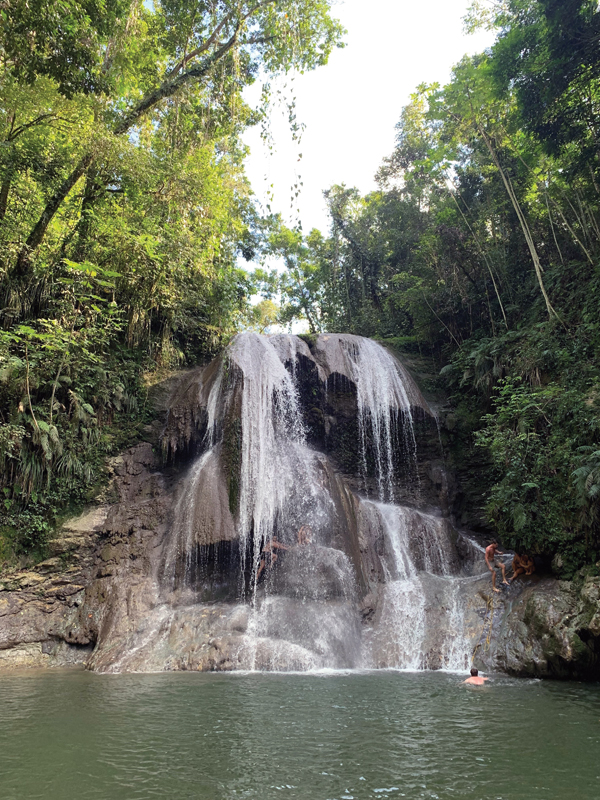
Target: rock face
<point x="276" y="434"/>
<point x="56" y="613"/>
<point x="551" y="630"/>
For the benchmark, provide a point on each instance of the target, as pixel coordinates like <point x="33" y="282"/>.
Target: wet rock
<point x="312" y="572"/>
<point x="50" y="653"/>
<point x="560" y="621"/>
<point x="63" y="600"/>
<point x="550" y="629"/>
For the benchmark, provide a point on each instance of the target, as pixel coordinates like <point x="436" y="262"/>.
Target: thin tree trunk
<point x="452" y="336"/>
<point x="572" y="232"/>
<point x="27" y="388"/>
<point x="523" y="222"/>
<point x="85" y="220"/>
<point x="595" y="185"/>
<point x="36" y="236"/>
<point x="592" y="216"/>
<point x="485" y="258"/>
<point x="60" y="369"/>
<point x="586" y="213"/>
<point x="552" y="228"/>
<point x="4" y="192"/>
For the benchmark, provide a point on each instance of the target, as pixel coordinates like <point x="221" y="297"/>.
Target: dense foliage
<point x="123" y="210"/>
<point x="481" y="247"/>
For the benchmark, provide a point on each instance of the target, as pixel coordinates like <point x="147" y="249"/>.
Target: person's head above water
<point x="474" y="672"/>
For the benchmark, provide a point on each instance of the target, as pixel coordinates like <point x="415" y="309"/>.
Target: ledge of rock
<point x="51" y="614"/>
<point x="551" y="629"/>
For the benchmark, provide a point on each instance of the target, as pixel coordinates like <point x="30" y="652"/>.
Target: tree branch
<point x="214" y="35"/>
<point x="22" y="128"/>
<point x="170" y="87"/>
<point x="199" y="50"/>
<point x="167" y="89"/>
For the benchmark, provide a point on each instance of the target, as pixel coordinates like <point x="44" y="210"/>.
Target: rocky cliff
<point x="152" y="576"/>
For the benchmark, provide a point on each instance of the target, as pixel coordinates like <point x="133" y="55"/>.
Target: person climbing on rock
<point x="305" y="535"/>
<point x="494" y="563"/>
<point x="268" y="554"/>
<point x="522" y="565"/>
<point x="476" y="679"/>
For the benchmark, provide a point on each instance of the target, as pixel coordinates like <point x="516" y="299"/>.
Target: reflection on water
<point x="76" y="735"/>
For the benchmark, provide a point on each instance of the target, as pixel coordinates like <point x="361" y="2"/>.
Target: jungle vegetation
<point x="123" y="211"/>
<point x="481" y="249"/>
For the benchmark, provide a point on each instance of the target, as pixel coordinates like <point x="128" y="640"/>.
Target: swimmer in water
<point x="475" y="679"/>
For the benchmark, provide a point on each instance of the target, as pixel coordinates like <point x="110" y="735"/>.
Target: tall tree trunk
<point x="552" y="228"/>
<point x="34" y="239"/>
<point x="84" y="226"/>
<point x="487" y="263"/>
<point x="523" y="222"/>
<point x="572" y="232"/>
<point x="4" y="192"/>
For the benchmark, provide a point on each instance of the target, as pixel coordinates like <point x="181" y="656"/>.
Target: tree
<point x="70" y="41"/>
<point x="547" y="54"/>
<point x="264" y="315"/>
<point x="123" y="210"/>
<point x="300" y="285"/>
<point x="469" y="101"/>
<point x="490" y="174"/>
<point x="196" y="48"/>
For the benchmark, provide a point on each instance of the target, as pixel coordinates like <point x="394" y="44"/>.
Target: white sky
<point x="350" y="106"/>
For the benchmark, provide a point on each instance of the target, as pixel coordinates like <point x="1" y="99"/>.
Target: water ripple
<point x="78" y="736"/>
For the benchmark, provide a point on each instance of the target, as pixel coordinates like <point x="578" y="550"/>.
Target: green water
<point x="74" y="735"/>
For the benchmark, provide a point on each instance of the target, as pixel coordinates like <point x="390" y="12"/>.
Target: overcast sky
<point x="350" y="106"/>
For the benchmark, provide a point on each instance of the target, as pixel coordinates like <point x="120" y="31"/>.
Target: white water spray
<point x="420" y="597"/>
<point x="302" y="614"/>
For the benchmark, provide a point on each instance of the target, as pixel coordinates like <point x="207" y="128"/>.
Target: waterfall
<point x="385" y="393"/>
<point x="239" y="585"/>
<point x="272" y="435"/>
<point x="181" y="545"/>
<point x="419" y="571"/>
<point x="381" y="396"/>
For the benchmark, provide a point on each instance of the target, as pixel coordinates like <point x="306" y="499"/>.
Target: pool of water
<point x="74" y="735"/>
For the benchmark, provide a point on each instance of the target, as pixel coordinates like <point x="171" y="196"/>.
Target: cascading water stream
<point x="254" y="486"/>
<point x="279" y="491"/>
<point x="383" y="389"/>
<point x="419" y="579"/>
<point x="272" y="433"/>
<point x="381" y="397"/>
<point x="403" y="602"/>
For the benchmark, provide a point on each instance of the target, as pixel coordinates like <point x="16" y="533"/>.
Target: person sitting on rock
<point x="494" y="563"/>
<point x="522" y="565"/>
<point x="268" y="554"/>
<point x="305" y="535"/>
<point x="476" y="679"/>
